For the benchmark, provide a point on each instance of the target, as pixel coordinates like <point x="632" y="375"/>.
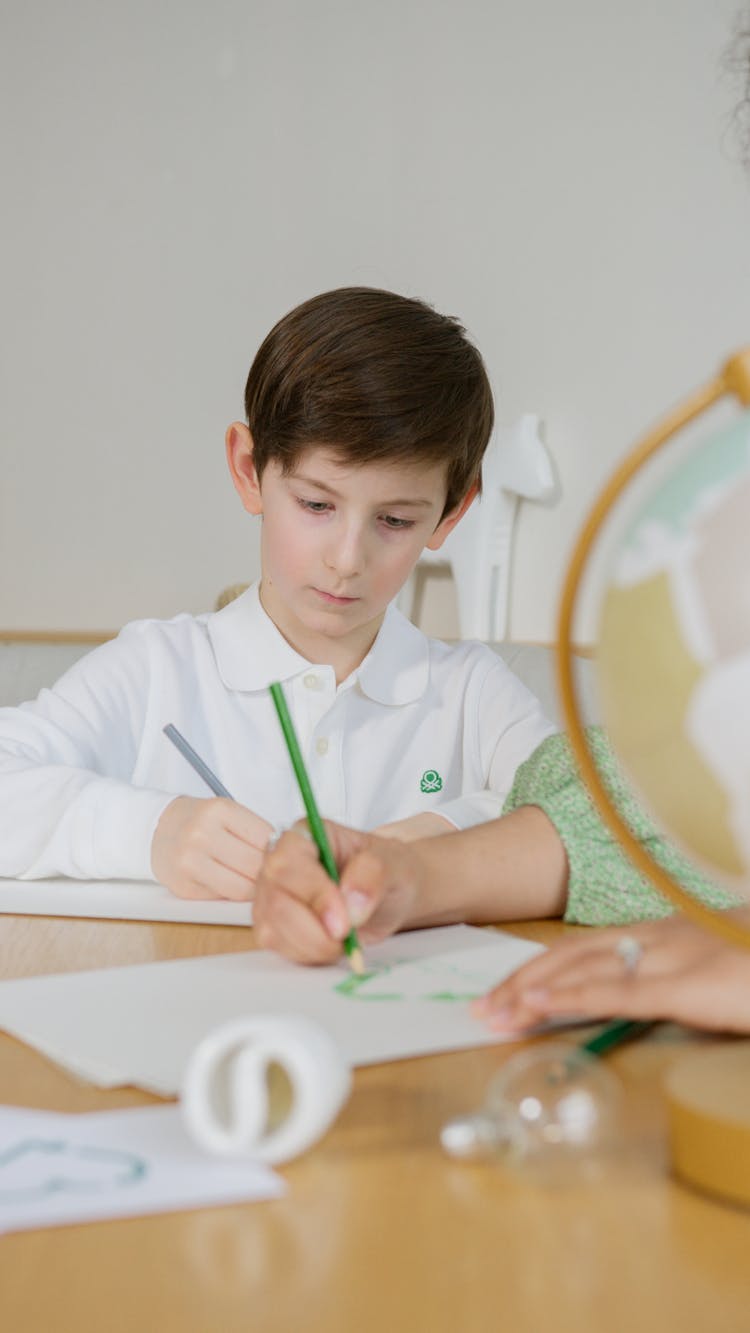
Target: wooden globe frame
<point x="733" y="379"/>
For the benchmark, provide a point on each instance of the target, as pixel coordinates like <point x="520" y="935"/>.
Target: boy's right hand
<point x="299" y="911"/>
<point x="209" y="848"/>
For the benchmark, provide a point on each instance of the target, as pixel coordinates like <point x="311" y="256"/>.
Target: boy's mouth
<point x="333" y="600"/>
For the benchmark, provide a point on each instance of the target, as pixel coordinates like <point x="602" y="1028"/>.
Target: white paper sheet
<point x="140" y="1024"/>
<point x="60" y="1169"/>
<point x="123" y="899"/>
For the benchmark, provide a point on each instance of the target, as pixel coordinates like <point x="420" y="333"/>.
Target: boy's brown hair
<point x="374" y="377"/>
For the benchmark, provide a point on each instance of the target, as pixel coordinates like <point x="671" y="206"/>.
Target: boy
<point x="367" y="418"/>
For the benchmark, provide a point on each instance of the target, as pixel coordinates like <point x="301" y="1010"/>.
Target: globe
<point x="673" y="649"/>
<point x="673" y="670"/>
<point x="673" y="653"/>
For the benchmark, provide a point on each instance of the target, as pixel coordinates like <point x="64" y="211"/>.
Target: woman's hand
<point x="684" y="974"/>
<point x="209" y="848"/>
<point x="301" y="913"/>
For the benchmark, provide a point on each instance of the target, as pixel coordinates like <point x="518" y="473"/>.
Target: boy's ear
<point x="239" y="447"/>
<point x="448" y="523"/>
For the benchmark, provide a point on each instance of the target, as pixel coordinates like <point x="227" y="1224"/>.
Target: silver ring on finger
<point x="630" y="951"/>
<point x="303" y="830"/>
<point x="279" y="830"/>
<point x="275" y="835"/>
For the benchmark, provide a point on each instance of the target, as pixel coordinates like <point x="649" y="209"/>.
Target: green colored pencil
<point x="317" y="829"/>
<point x="614" y="1034"/>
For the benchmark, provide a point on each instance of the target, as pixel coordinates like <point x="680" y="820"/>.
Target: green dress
<point x="604" y="888"/>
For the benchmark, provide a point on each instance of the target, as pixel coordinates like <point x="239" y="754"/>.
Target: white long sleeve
<point x="67" y="803"/>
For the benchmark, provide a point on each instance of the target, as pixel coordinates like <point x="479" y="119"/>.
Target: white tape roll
<point x="265" y="1087"/>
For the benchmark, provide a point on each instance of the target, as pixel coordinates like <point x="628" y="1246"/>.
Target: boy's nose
<point x="344" y="555"/>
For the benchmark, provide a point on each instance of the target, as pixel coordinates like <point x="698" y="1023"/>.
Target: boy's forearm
<point x="513" y="868"/>
<point x="56" y="819"/>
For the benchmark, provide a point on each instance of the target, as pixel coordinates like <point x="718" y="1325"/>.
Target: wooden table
<point x="379" y="1230"/>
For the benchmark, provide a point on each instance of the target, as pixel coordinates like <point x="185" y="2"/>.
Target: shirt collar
<point x="250" y="652"/>
<point x="397" y="667"/>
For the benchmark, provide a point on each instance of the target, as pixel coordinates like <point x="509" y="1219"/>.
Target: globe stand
<point x="708" y="1092"/>
<point x="708" y="1106"/>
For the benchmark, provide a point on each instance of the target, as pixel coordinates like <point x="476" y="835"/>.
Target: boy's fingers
<point x="218" y="819"/>
<point x="221" y="866"/>
<point x="208" y="878"/>
<point x="237" y="857"/>
<point x="246" y="826"/>
<point x="231" y="881"/>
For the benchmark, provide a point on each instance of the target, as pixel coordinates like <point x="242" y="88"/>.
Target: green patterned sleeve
<point x="604" y="888"/>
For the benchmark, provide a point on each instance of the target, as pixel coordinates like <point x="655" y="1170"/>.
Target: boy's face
<point x="339" y="541"/>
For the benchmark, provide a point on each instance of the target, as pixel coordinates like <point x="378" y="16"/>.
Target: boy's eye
<point x="391" y="521"/>
<point x="314" y="506"/>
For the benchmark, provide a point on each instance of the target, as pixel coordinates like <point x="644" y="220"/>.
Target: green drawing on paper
<point x="352" y="985"/>
<point x="43" y="1167"/>
<point x="452" y="997"/>
<point x="413" y="980"/>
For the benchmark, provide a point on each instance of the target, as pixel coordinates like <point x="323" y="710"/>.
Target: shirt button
<point x="311" y="681"/>
<point x="321" y="745"/>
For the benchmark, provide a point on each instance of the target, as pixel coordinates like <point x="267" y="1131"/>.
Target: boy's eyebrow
<point x="416" y="502"/>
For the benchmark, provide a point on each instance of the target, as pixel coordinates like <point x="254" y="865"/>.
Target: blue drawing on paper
<point x="36" y="1168"/>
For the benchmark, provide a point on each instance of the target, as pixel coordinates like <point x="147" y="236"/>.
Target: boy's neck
<point x="344" y="653"/>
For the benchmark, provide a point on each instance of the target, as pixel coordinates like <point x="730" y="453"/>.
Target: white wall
<point x="177" y="174"/>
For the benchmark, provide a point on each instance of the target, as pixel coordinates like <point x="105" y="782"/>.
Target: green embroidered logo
<point x="431" y="781"/>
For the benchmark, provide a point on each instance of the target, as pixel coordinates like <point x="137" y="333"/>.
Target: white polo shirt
<point x="86" y="771"/>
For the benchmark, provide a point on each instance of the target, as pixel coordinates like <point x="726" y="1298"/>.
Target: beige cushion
<point x="26" y="667"/>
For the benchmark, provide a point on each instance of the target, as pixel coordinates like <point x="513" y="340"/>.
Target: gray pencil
<point x="195" y="761"/>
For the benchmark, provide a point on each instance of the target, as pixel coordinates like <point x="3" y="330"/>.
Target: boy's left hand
<point x="426" y="825"/>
